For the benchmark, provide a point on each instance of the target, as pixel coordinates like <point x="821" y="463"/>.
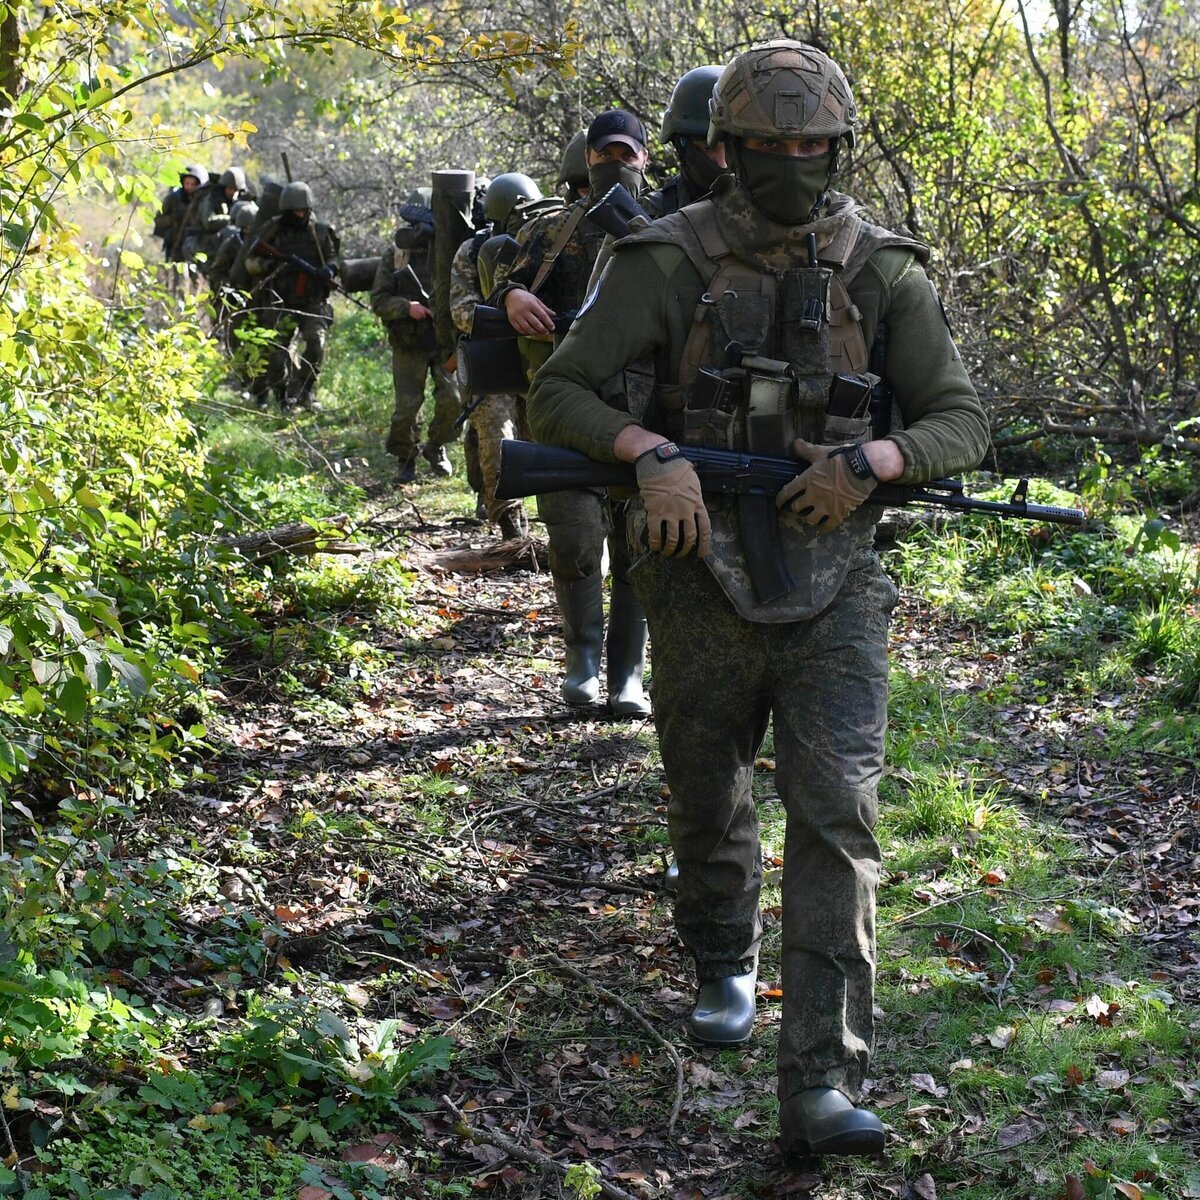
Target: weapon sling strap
<point x="565" y="234"/>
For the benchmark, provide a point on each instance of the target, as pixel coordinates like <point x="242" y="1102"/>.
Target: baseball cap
<point x="616" y="125"/>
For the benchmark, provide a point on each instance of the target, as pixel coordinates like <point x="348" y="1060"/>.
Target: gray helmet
<point x="782" y="89"/>
<point x="505" y="193"/>
<point x="233" y="177"/>
<point x="686" y="115"/>
<point x="244" y="214"/>
<point x="574" y="160"/>
<point x="420" y="195"/>
<point x="197" y="172"/>
<point x="294" y="196"/>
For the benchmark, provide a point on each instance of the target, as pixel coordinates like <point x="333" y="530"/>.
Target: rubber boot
<point x="822" y="1121"/>
<point x="724" y="1012"/>
<point x="438" y="460"/>
<point x="582" y="611"/>
<point x="626" y="653"/>
<point x="513" y="524"/>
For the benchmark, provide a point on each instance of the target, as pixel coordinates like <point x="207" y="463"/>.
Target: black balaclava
<point x="696" y="167"/>
<point x="603" y="175"/>
<point x="789" y="190"/>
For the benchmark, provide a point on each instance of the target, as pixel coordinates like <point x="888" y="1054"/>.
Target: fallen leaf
<point x="928" y="1085"/>
<point x="1027" y="1129"/>
<point x="924" y="1187"/>
<point x="312" y="1192"/>
<point x="1003" y="1036"/>
<point x="1112" y="1081"/>
<point x="1073" y="1076"/>
<point x="1123" y="1125"/>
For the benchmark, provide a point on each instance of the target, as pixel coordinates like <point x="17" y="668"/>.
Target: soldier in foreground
<point x="752" y="303"/>
<point x="550" y="277"/>
<point x="400" y="298"/>
<point x="298" y="294"/>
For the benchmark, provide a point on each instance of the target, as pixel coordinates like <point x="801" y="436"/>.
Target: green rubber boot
<point x="581" y="608"/>
<point x="626" y="653"/>
<point x="822" y="1121"/>
<point x="724" y="1012"/>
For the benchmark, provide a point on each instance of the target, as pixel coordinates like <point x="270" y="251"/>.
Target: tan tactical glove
<point x="676" y="518"/>
<point x="837" y="481"/>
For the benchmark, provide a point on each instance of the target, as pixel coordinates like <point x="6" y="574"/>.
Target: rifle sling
<point x="565" y="234"/>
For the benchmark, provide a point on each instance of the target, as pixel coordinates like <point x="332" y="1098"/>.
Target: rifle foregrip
<point x="530" y="469"/>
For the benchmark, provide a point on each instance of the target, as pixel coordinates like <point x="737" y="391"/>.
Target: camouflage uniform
<point x="496" y="417"/>
<point x="300" y="302"/>
<point x="577" y="522"/>
<point x="415" y="358"/>
<point x="724" y="662"/>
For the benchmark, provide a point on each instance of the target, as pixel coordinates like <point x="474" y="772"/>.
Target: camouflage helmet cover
<point x="686" y="114"/>
<point x="782" y="89"/>
<point x="196" y="172"/>
<point x="506" y="192"/>
<point x="294" y="196"/>
<point x="573" y="168"/>
<point x="233" y="177"/>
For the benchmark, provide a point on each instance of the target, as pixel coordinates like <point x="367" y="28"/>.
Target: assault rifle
<point x="527" y="469"/>
<point x="302" y="264"/>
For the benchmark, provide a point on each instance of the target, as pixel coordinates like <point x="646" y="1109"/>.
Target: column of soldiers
<point x="751" y="276"/>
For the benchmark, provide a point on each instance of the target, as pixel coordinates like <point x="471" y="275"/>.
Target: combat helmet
<point x="233" y="177"/>
<point x="244" y="214"/>
<point x="196" y="171"/>
<point x="294" y="196"/>
<point x="506" y="192"/>
<point x="782" y="89"/>
<point x="686" y="114"/>
<point x="574" y="169"/>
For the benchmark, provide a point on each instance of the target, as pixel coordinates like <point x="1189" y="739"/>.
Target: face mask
<point x="698" y="169"/>
<point x="786" y="189"/>
<point x="294" y="219"/>
<point x="603" y="175"/>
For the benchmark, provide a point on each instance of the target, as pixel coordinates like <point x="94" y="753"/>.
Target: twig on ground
<point x="1010" y="962"/>
<point x="520" y="1151"/>
<point x="562" y="965"/>
<point x="624" y="889"/>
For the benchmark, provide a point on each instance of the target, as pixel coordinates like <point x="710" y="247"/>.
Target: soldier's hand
<point x="418" y="311"/>
<point x="837" y="481"/>
<point x="676" y="519"/>
<point x="527" y="314"/>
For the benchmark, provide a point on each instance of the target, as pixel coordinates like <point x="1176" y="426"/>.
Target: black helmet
<point x="686" y="115"/>
<point x="505" y="193"/>
<point x="573" y="169"/>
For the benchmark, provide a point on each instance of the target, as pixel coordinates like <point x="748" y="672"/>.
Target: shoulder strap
<point x="565" y="233"/>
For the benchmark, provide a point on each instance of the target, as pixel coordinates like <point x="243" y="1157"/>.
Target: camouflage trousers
<point x="411" y="367"/>
<point x="298" y="372"/>
<point x="718" y="680"/>
<point x="577" y="525"/>
<point x="497" y="418"/>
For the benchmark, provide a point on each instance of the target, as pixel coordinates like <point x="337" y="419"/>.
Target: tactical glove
<point x="838" y="479"/>
<point x="676" y="518"/>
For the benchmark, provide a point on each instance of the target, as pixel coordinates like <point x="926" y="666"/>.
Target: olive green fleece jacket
<point x="643" y="307"/>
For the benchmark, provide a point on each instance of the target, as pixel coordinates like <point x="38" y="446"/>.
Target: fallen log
<point x="298" y="538"/>
<point x="514" y="554"/>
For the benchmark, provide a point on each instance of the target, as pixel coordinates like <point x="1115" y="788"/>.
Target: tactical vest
<point x="756" y="373"/>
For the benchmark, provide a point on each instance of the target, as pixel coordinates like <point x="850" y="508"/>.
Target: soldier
<point x="229" y="244"/>
<point x="573" y="169"/>
<point x="550" y="276"/>
<point x="178" y="213"/>
<point x="471" y="279"/>
<point x="685" y="127"/>
<point x="216" y="213"/>
<point x="770" y="288"/>
<point x="299" y="295"/>
<point x="400" y="299"/>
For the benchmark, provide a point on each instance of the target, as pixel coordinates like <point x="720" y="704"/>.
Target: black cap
<point x="616" y="125"/>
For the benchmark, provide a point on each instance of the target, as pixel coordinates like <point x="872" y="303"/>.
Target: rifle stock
<point x="528" y="469"/>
